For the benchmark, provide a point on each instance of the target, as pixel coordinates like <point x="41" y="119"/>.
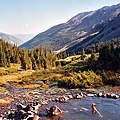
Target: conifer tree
<point x="64" y="55"/>
<point x="46" y="52"/>
<point x="83" y="52"/>
<point x="34" y="65"/>
<point x="34" y="59"/>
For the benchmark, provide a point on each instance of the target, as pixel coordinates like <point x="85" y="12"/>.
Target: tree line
<point x="39" y="58"/>
<point x="95" y="47"/>
<point x="29" y="59"/>
<point x="109" y="55"/>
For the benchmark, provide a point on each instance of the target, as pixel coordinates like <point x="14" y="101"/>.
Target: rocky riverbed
<point x="64" y="98"/>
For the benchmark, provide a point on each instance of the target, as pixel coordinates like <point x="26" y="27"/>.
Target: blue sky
<point x="35" y="16"/>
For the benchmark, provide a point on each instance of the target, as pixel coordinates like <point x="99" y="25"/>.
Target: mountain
<point x="100" y="33"/>
<point x="11" y="39"/>
<point x="78" y="28"/>
<point x="24" y="37"/>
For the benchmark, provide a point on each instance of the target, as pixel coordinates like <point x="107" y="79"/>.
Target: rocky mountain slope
<point x="100" y="33"/>
<point x="78" y="28"/>
<point x="11" y="39"/>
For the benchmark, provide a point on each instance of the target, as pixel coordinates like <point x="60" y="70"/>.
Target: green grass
<point x="79" y="73"/>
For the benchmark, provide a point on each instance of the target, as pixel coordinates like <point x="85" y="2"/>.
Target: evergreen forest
<point x="96" y="65"/>
<point x="29" y="59"/>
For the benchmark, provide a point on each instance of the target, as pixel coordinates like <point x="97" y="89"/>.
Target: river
<point x="81" y="109"/>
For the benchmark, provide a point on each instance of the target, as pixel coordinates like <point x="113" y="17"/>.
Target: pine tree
<point x="97" y="48"/>
<point x="46" y="52"/>
<point x="64" y="55"/>
<point x="83" y="52"/>
<point x="34" y="59"/>
<point x="34" y="64"/>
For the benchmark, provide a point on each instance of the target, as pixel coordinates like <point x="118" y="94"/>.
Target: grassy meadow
<point x="77" y="72"/>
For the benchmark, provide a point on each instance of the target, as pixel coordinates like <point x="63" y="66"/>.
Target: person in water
<point x="54" y="111"/>
<point x="94" y="110"/>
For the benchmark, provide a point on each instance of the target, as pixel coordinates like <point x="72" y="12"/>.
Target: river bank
<point x="54" y="95"/>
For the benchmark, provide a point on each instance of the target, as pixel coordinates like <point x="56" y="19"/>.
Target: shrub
<point x="86" y="79"/>
<point x="111" y="77"/>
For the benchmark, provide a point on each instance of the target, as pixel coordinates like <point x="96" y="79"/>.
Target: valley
<point x="78" y="30"/>
<point x="73" y="66"/>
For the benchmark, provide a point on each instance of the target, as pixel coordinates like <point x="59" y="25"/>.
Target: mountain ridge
<point x="11" y="39"/>
<point x="73" y="30"/>
<point x="108" y="31"/>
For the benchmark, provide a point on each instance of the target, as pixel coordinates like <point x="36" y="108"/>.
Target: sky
<point x="35" y="16"/>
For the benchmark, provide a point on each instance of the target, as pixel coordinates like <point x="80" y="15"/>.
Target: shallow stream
<point x="76" y="109"/>
<point x="81" y="109"/>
